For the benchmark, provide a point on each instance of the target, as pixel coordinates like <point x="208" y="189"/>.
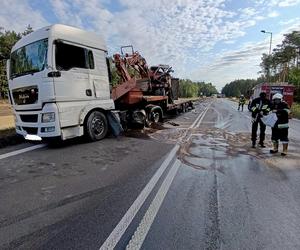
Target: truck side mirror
<point x="8" y="69"/>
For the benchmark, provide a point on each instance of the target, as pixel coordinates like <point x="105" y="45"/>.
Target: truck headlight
<point x="48" y="117"/>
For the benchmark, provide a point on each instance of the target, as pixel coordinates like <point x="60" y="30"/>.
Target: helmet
<point x="277" y="96"/>
<point x="242" y="95"/>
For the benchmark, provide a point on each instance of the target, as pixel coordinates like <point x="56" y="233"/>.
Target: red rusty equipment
<point x="138" y="82"/>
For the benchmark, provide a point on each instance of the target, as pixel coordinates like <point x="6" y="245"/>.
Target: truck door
<point x="73" y="81"/>
<point x="98" y="74"/>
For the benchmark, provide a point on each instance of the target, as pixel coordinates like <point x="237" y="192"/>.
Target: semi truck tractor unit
<point x="59" y="85"/>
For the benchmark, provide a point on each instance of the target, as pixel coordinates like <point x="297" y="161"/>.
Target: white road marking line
<point x="199" y="116"/>
<point x="197" y="119"/>
<point x="143" y="228"/>
<point x="21" y="151"/>
<point x="120" y="229"/>
<point x="191" y="127"/>
<point x="201" y="119"/>
<point x="114" y="237"/>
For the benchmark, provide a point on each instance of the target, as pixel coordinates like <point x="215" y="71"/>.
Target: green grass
<point x="296" y="110"/>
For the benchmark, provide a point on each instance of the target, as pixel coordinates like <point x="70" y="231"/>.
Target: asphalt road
<point x="195" y="183"/>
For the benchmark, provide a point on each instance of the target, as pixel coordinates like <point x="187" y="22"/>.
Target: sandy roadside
<point x="7" y="121"/>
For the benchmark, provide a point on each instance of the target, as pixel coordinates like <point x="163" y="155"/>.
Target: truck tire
<point x="156" y="116"/>
<point x="96" y="126"/>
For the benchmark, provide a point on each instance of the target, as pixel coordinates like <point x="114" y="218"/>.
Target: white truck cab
<point x="59" y="84"/>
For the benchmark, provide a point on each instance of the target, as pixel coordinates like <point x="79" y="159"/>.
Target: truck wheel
<point x="155" y="116"/>
<point x="96" y="126"/>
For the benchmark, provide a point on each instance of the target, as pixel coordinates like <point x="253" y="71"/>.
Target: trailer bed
<point x="181" y="103"/>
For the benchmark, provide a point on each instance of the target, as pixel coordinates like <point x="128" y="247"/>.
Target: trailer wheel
<point x="96" y="126"/>
<point x="155" y="116"/>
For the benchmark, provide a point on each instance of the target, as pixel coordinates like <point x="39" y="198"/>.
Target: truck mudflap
<point x="114" y="122"/>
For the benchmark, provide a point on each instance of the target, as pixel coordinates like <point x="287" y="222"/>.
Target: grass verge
<point x="296" y="110"/>
<point x="7" y="122"/>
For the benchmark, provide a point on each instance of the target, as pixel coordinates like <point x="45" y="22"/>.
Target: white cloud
<point x="288" y="22"/>
<point x="280" y="3"/>
<point x="287" y="3"/>
<point x="177" y="34"/>
<point x="273" y="14"/>
<point x="240" y="63"/>
<point x="16" y="15"/>
<point x="230" y="42"/>
<point x="259" y="18"/>
<point x="182" y="33"/>
<point x="248" y="12"/>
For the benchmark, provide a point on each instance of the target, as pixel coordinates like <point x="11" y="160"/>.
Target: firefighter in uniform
<point x="259" y="107"/>
<point x="281" y="129"/>
<point x="242" y="101"/>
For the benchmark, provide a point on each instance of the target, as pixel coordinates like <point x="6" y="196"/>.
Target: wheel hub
<point x="97" y="126"/>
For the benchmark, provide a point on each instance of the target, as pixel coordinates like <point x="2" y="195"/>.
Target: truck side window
<point x="91" y="59"/>
<point x="69" y="56"/>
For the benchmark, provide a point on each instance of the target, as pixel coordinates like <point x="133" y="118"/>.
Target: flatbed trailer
<point x="181" y="105"/>
<point x="145" y="98"/>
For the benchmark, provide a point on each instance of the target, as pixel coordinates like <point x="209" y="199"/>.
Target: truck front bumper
<point x="29" y="123"/>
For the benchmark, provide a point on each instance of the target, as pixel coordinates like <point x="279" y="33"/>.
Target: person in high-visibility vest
<point x="242" y="102"/>
<point x="281" y="129"/>
<point x="259" y="107"/>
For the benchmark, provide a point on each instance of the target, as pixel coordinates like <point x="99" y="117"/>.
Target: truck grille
<point x="31" y="131"/>
<point x="29" y="118"/>
<point x="26" y="95"/>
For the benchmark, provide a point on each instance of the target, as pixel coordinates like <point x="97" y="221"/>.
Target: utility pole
<point x="268" y="32"/>
<point x="270" y="49"/>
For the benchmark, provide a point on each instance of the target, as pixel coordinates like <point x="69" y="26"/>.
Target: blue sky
<point x="212" y="40"/>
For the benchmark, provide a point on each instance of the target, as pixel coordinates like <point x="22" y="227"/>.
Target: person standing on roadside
<point x="242" y="102"/>
<point x="259" y="107"/>
<point x="280" y="130"/>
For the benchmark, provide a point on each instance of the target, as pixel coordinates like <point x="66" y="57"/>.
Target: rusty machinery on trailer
<point x="140" y="83"/>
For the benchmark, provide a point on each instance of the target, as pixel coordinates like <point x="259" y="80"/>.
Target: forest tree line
<point x="189" y="88"/>
<point x="7" y="41"/>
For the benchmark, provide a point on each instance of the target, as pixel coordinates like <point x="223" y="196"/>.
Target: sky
<point x="204" y="40"/>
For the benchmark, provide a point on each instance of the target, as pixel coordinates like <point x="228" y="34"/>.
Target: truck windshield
<point x="29" y="59"/>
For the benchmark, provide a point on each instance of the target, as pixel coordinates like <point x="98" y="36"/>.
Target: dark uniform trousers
<point x="262" y="127"/>
<point x="281" y="134"/>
